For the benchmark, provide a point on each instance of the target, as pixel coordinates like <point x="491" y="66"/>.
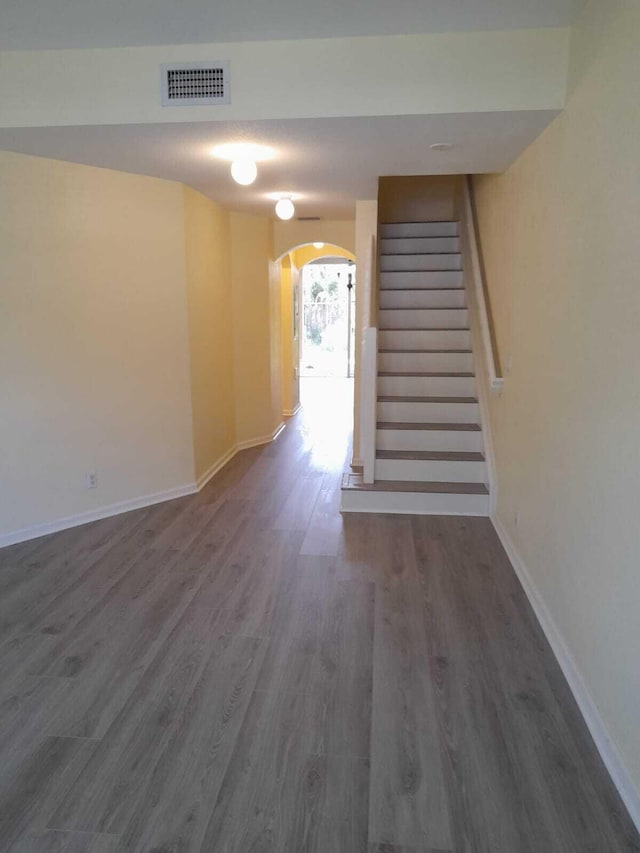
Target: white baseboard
<point x="289" y="413"/>
<point x="118" y="508"/>
<point x="37" y="530"/>
<point x="596" y="725"/>
<point x="263" y="439"/>
<point x="203" y="479"/>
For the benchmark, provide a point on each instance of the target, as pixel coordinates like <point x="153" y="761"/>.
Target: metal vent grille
<point x="308" y="219"/>
<point x="190" y="84"/>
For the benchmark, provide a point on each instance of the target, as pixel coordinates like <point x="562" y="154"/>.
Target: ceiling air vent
<point x="308" y="219"/>
<point x="192" y="83"/>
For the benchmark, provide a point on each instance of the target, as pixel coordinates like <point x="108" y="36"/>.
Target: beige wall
<point x="94" y="363"/>
<point x="366" y="232"/>
<point x="255" y="284"/>
<point x="208" y="268"/>
<point x="421" y="74"/>
<point x="290" y="282"/>
<point x="559" y="234"/>
<point x="418" y="198"/>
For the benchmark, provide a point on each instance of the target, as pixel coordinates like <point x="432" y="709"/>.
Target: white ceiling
<point x="41" y="24"/>
<point x="330" y="162"/>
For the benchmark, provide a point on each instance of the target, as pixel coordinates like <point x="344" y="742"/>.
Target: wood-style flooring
<point x="246" y="671"/>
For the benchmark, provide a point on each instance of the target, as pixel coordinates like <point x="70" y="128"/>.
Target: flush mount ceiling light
<point x="243" y="157"/>
<point x="318" y="245"/>
<point x="244" y="172"/>
<point x="285" y="208"/>
<point x="441" y="146"/>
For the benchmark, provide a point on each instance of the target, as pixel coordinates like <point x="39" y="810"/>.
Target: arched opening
<point x="318" y="297"/>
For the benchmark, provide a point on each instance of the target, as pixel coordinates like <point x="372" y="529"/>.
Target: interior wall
<point x="94" y="355"/>
<point x="418" y="198"/>
<point x="256" y="367"/>
<point x="291" y="234"/>
<point x="421" y="74"/>
<point x="290" y="283"/>
<point x="208" y="269"/>
<point x="366" y="284"/>
<point x="559" y="238"/>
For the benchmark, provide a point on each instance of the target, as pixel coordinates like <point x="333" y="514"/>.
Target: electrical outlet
<point x="516" y="518"/>
<point x="92" y="480"/>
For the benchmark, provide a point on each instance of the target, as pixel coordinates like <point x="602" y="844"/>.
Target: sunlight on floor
<point x="327" y="419"/>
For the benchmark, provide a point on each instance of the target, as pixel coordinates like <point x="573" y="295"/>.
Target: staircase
<point x="429" y="448"/>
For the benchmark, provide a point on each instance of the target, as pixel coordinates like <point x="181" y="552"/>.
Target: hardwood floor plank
<point x="408" y="802"/>
<point x="53" y="841"/>
<point x="47" y="766"/>
<point x="324" y="530"/>
<point x="154" y="775"/>
<point x="270" y="799"/>
<point x="343" y="689"/>
<point x="293" y="658"/>
<point x="246" y="582"/>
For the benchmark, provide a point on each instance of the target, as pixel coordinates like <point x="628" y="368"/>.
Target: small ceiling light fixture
<point x="318" y="245"/>
<point x="285" y="208"/>
<point x="244" y="172"/>
<point x="243" y="157"/>
<point x="441" y="146"/>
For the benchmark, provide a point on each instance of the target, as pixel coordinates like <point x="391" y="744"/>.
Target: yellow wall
<point x="255" y="285"/>
<point x="559" y="233"/>
<point x="289" y="235"/>
<point x="208" y="267"/>
<point x="305" y="254"/>
<point x="94" y="356"/>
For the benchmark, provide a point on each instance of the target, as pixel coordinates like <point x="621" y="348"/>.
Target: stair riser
<point x="412" y="503"/>
<point x="421" y="299"/>
<point x="427" y="318"/>
<point x="427" y="386"/>
<point x="429" y="439"/>
<point x="419" y="229"/>
<point x="445" y="339"/>
<point x="418" y="245"/>
<point x="429" y="362"/>
<point x="425" y="280"/>
<point x="392" y="263"/>
<point x="428" y="413"/>
<point x="434" y="471"/>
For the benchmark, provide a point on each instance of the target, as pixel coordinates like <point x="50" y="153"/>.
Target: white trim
<point x="203" y="479"/>
<point x="37" y="530"/>
<point x="356" y="463"/>
<point x="263" y="439"/>
<point x="118" y="508"/>
<point x="596" y="725"/>
<point x="289" y="413"/>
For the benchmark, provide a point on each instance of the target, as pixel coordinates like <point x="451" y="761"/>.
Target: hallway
<point x="246" y="670"/>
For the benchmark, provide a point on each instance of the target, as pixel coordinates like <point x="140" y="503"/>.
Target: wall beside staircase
<point x="559" y="235"/>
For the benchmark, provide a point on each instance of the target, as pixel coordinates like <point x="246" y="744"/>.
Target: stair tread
<point x="442" y="373"/>
<point x="403" y="399"/>
<point x="416" y="254"/>
<point x="354" y="481"/>
<point x="424" y="222"/>
<point x="419" y="425"/>
<point x="447" y="269"/>
<point x="432" y="455"/>
<point x="386" y="350"/>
